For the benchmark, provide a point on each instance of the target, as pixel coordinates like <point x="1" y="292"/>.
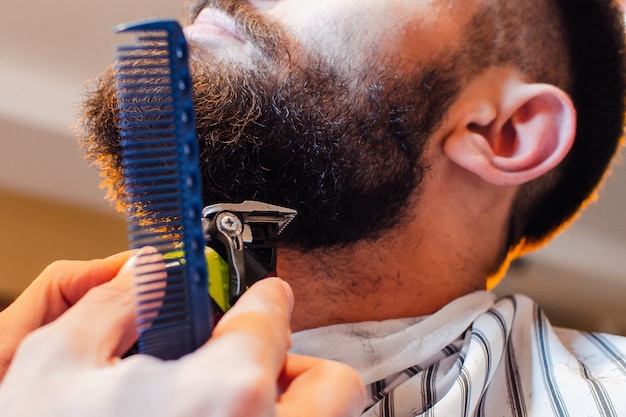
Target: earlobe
<point x="515" y="136"/>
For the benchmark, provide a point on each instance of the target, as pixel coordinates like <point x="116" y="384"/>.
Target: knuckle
<point x="349" y="375"/>
<point x="58" y="267"/>
<point x="349" y="380"/>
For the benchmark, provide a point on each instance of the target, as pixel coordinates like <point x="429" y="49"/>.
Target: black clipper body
<point x="245" y="236"/>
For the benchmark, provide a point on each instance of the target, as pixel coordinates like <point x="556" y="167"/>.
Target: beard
<point x="343" y="148"/>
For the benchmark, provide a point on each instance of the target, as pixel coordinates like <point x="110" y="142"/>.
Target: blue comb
<point x="163" y="189"/>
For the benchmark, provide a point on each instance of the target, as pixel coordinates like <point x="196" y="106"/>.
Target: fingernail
<point x="140" y="258"/>
<point x="130" y="263"/>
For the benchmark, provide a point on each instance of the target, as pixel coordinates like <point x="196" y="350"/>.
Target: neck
<point x="379" y="280"/>
<point x="448" y="246"/>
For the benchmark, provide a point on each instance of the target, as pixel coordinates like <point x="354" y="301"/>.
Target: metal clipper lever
<point x="246" y="236"/>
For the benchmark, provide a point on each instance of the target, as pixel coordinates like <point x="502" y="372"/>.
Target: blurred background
<point x="51" y="206"/>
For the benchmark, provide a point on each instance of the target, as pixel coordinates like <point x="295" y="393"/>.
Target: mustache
<point x="253" y="26"/>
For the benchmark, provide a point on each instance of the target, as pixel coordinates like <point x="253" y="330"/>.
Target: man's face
<point x="323" y="106"/>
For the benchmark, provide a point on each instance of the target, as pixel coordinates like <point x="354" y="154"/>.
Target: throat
<point x="367" y="289"/>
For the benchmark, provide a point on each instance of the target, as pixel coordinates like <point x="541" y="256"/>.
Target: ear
<point x="512" y="132"/>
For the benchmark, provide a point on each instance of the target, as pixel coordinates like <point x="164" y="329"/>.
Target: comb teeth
<point x="162" y="185"/>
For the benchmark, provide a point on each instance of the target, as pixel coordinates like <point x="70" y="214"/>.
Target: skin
<point x="496" y="136"/>
<point x="82" y="353"/>
<point x="500" y="133"/>
<point x="434" y="259"/>
<point x="421" y="261"/>
<point x="58" y="287"/>
<point x="356" y="29"/>
<point x="243" y="370"/>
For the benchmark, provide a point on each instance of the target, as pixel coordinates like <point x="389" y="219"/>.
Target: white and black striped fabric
<point x="478" y="357"/>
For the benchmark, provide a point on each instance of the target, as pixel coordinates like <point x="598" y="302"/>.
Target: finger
<point x="87" y="275"/>
<point x="317" y="387"/>
<point x="270" y="297"/>
<point x="101" y="325"/>
<point x="261" y="317"/>
<point x="63" y="283"/>
<point x="58" y="287"/>
<point x="241" y="362"/>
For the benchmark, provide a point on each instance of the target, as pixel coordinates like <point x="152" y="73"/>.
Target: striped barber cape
<point x="478" y="356"/>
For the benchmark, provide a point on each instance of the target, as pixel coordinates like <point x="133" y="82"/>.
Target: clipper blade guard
<point x="162" y="188"/>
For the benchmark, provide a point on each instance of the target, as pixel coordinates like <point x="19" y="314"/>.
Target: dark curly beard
<point x="343" y="149"/>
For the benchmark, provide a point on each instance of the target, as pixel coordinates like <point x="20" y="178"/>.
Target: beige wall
<point x="36" y="232"/>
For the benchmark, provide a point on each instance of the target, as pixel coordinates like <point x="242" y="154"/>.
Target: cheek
<point x="342" y="32"/>
<point x="420" y="38"/>
<point x="353" y="34"/>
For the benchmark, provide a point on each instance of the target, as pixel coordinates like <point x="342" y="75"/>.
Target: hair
<point x="578" y="46"/>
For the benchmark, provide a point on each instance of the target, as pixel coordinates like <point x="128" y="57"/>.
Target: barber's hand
<point x="72" y="366"/>
<point x="55" y="290"/>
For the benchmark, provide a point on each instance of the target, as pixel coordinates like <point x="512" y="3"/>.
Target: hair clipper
<point x="241" y="244"/>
